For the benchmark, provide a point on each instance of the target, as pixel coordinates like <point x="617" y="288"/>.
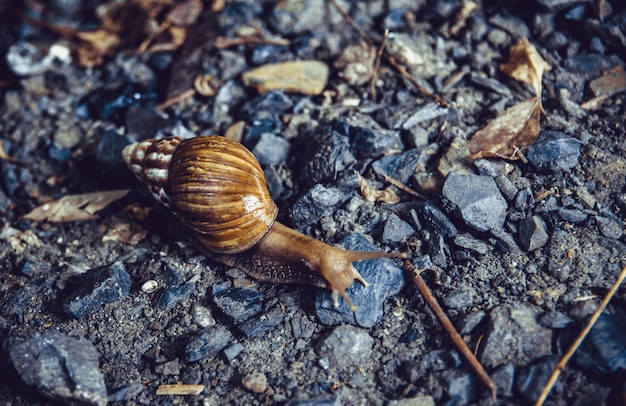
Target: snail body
<point x="218" y="189"/>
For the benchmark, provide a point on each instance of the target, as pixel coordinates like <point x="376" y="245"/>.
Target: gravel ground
<point x="519" y="252"/>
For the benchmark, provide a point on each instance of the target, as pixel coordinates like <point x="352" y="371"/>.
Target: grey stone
<point x="58" y="367"/>
<point x="604" y="350"/>
<point x="174" y="294"/>
<point x="98" y="286"/>
<point x="239" y="303"/>
<point x="503" y="378"/>
<point x="574" y="216"/>
<point x="208" y="343"/>
<point x="610" y="228"/>
<point x="553" y="151"/>
<point x="533" y="233"/>
<point x="470" y="243"/>
<point x="507" y="188"/>
<point x="476" y="200"/>
<point x="347" y="347"/>
<point x="470" y="321"/>
<point x="315" y="204"/>
<point x="459" y="299"/>
<point x="262" y="323"/>
<point x="271" y="149"/>
<point x="555" y="320"/>
<point x="327" y="154"/>
<point x="384" y="277"/>
<point x="514" y="335"/>
<point x="460" y="387"/>
<point x="437" y="221"/>
<point x="373" y="143"/>
<point x="396" y="230"/>
<point x="399" y="166"/>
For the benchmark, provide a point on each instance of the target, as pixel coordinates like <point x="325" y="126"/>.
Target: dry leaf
<point x="128" y="233"/>
<point x="75" y="207"/>
<point x="373" y="195"/>
<point x="526" y="65"/>
<point x="515" y="129"/>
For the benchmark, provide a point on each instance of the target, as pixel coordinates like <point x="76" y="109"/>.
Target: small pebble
<point x="396" y="230"/>
<point x="533" y="233"/>
<point x="610" y="228"/>
<point x="208" y="343"/>
<point x="347" y="347"/>
<point x="305" y="77"/>
<point x="553" y="151"/>
<point x="255" y="382"/>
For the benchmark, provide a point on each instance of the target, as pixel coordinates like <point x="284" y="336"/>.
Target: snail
<point x="218" y="189"/>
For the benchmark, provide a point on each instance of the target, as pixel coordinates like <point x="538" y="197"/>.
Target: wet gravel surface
<point x="519" y="252"/>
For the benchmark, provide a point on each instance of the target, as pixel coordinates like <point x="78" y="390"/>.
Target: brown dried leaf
<point x="526" y="65"/>
<point x="373" y="195"/>
<point x="515" y="129"/>
<point x="127" y="233"/>
<point x="75" y="207"/>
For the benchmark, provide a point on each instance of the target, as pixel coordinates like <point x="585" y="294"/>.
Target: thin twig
<point x="352" y="24"/>
<point x="404" y="187"/>
<point x="379" y="55"/>
<point x="583" y="334"/>
<point x="173" y="100"/>
<point x="447" y="324"/>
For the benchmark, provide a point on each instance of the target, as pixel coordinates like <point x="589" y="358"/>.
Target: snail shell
<point x="222" y="196"/>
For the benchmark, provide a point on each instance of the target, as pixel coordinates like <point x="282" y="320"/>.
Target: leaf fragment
<point x="375" y="195"/>
<point x="509" y="133"/>
<point x="526" y="65"/>
<point x="80" y="207"/>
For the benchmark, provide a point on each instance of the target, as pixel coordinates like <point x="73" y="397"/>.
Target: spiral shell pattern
<point x="214" y="184"/>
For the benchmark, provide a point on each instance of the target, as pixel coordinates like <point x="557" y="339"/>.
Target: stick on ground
<point x="447" y="324"/>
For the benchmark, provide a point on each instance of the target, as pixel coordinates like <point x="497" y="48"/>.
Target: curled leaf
<point x="526" y="65"/>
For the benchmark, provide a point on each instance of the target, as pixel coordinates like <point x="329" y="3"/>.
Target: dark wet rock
<point x="267" y="53"/>
<point x="271" y="149"/>
<point x="373" y="143"/>
<point x="207" y="344"/>
<point x="109" y="154"/>
<point x="436" y="220"/>
<point x="396" y="230"/>
<point x="116" y="97"/>
<point x="399" y="166"/>
<point x="476" y="200"/>
<point x="174" y="294"/>
<point x="58" y="367"/>
<point x="98" y="286"/>
<point x="470" y="243"/>
<point x="603" y="351"/>
<point x="436" y="248"/>
<point x="384" y="277"/>
<point x="239" y="303"/>
<point x="143" y="123"/>
<point x="533" y="233"/>
<point x="347" y="347"/>
<point x="315" y="204"/>
<point x="556" y="5"/>
<point x="514" y="335"/>
<point x="261" y="122"/>
<point x="554" y="151"/>
<point x="263" y="323"/>
<point x="459" y="299"/>
<point x="574" y="216"/>
<point x="503" y="378"/>
<point x="555" y="320"/>
<point x="524" y="199"/>
<point x="610" y="228"/>
<point x="531" y="379"/>
<point x="327" y="154"/>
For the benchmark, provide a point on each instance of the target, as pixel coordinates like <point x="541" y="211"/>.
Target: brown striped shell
<point x="214" y="184"/>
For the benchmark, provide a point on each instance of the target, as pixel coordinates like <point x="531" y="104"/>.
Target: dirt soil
<point x="63" y="125"/>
